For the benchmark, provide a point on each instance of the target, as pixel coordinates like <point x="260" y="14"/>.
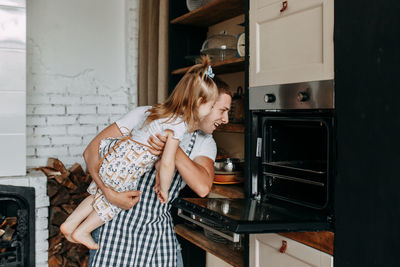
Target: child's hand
<point x="163" y="197"/>
<point x="157" y="143"/>
<point x="157" y="182"/>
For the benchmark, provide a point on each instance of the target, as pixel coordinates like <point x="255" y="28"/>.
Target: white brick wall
<point x="66" y="110"/>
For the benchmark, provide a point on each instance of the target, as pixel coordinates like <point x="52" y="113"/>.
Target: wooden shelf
<point x="223" y="251"/>
<point x="226" y="66"/>
<point x="231" y="128"/>
<point x="212" y="13"/>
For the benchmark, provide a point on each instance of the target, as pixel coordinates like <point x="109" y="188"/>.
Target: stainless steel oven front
<point x="290" y="164"/>
<point x="292" y="155"/>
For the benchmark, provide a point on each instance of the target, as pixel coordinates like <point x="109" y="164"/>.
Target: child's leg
<point x="77" y="216"/>
<point x="82" y="234"/>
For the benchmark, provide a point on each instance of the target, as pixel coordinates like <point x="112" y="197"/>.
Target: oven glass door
<point x="295" y="161"/>
<point x="252" y="216"/>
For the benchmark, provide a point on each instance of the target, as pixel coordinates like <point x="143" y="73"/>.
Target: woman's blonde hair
<point x="183" y="102"/>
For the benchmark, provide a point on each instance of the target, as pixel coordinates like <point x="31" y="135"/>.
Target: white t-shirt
<point x="142" y="133"/>
<point x="204" y="145"/>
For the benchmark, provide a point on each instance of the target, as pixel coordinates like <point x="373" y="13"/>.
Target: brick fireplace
<point x="38" y="181"/>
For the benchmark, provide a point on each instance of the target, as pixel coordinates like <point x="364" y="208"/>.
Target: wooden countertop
<point x="223" y="251"/>
<point x="229" y="191"/>
<point x="319" y="240"/>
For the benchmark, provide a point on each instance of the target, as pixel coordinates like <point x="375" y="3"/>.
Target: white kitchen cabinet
<point x="292" y="45"/>
<point x="265" y="251"/>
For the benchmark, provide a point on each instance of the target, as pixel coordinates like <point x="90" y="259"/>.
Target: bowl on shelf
<point x="195" y="4"/>
<point x="219" y="47"/>
<point x="228" y="164"/>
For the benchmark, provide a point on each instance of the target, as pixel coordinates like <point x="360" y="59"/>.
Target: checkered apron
<point x="143" y="235"/>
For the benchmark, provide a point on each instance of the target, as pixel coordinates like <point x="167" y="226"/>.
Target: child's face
<point x="205" y="109"/>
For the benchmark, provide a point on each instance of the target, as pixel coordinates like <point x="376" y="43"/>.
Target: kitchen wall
<point x="81" y="73"/>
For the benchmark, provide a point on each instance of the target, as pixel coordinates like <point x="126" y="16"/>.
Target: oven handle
<point x="234" y="238"/>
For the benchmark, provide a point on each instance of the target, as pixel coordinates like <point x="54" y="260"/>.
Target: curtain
<point x="153" y="52"/>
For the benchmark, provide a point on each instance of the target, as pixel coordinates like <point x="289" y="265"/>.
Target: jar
<point x="236" y="114"/>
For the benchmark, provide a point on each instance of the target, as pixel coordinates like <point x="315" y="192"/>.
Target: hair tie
<point x="209" y="72"/>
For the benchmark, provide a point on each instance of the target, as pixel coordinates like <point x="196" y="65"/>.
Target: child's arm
<point x="197" y="173"/>
<point x="167" y="165"/>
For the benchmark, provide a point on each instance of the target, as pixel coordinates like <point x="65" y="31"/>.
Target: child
<point x="129" y="158"/>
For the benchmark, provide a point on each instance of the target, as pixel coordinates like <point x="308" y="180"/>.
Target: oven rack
<point x="231" y="236"/>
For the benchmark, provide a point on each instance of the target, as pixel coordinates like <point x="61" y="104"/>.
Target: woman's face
<point x="205" y="109"/>
<point x="218" y="114"/>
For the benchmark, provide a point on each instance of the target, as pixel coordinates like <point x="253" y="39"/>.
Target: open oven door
<point x="253" y="216"/>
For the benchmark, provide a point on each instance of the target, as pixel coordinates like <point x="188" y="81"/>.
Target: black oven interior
<point x="295" y="156"/>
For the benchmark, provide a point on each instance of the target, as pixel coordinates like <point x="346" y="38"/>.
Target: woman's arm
<point x="197" y="173"/>
<point x="124" y="200"/>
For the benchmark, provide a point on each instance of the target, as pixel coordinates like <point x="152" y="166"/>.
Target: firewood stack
<point x="7" y="231"/>
<point x="66" y="189"/>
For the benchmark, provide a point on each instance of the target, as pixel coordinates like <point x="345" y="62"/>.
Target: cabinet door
<point x="293" y="45"/>
<point x="264" y="251"/>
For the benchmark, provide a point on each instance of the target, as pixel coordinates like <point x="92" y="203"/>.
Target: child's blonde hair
<point x="183" y="101"/>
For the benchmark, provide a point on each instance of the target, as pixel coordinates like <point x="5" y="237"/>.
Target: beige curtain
<point x="153" y="52"/>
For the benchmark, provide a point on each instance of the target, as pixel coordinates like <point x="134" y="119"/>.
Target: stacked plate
<point x="222" y="177"/>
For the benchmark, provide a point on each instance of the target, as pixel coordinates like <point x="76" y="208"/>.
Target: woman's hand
<point x="157" y="143"/>
<point x="125" y="200"/>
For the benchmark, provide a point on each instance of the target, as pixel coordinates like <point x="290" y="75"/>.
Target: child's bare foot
<point x="84" y="238"/>
<point x="67" y="229"/>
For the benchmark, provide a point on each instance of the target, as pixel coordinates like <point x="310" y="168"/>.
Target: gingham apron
<point x="143" y="235"/>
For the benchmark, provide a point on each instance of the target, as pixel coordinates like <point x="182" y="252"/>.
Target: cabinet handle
<point x="284" y="247"/>
<point x="284" y="6"/>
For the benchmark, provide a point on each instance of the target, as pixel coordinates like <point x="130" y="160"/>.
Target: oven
<point x="290" y="165"/>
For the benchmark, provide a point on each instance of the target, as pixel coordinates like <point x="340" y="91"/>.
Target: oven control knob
<point x="269" y="98"/>
<point x="303" y="96"/>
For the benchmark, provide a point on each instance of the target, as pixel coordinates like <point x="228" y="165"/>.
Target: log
<point x="73" y="254"/>
<point x="65" y="181"/>
<point x="77" y="199"/>
<point x="50" y="172"/>
<point x="66" y="188"/>
<point x="86" y="179"/>
<point x="8" y="233"/>
<point x="55" y="243"/>
<point x="53" y="230"/>
<point x="57" y="216"/>
<point x="66" y="246"/>
<point x="62" y="197"/>
<point x="9" y="221"/>
<point x="56" y="164"/>
<point x="69" y="208"/>
<point x="80" y="189"/>
<point x="85" y="261"/>
<point x="52" y="187"/>
<point x="55" y="261"/>
<point x="68" y="263"/>
<point x="77" y="170"/>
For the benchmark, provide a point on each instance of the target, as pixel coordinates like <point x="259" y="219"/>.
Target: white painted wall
<point x="81" y="74"/>
<point x="12" y="87"/>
